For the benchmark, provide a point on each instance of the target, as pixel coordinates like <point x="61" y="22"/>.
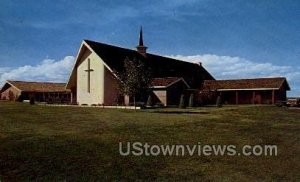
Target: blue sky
<point x="254" y="38"/>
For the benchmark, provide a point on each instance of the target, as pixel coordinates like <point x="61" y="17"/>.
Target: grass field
<point x="77" y="143"/>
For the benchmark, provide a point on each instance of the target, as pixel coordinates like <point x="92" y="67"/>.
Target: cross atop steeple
<point x="141" y="48"/>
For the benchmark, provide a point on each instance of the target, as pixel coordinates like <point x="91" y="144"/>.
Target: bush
<point x="191" y="100"/>
<point x="279" y="104"/>
<point x="182" y="102"/>
<point x="219" y="101"/>
<point x="20" y="98"/>
<point x="11" y="96"/>
<point x="149" y="101"/>
<point x="139" y="104"/>
<point x="31" y="101"/>
<point x="159" y="104"/>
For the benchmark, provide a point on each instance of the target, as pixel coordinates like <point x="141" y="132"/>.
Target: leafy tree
<point x="135" y="78"/>
<point x="182" y="102"/>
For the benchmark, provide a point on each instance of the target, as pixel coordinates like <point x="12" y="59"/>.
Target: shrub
<point x="219" y="101"/>
<point x="182" y="102"/>
<point x="11" y="96"/>
<point x="200" y="101"/>
<point x="149" y="101"/>
<point x="32" y="102"/>
<point x="159" y="104"/>
<point x="191" y="100"/>
<point x="279" y="103"/>
<point x="20" y="98"/>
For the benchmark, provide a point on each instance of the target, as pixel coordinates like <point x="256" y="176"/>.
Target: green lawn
<point x="77" y="143"/>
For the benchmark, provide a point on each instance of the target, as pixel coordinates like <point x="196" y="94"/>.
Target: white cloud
<point x="226" y="67"/>
<point x="4" y="69"/>
<point x="47" y="70"/>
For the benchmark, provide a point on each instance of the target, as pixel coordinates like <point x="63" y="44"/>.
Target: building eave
<point x="172" y="83"/>
<point x="180" y="79"/>
<point x="87" y="45"/>
<point x="74" y="66"/>
<point x="158" y="87"/>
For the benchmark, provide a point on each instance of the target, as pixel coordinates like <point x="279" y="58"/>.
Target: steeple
<point x="141" y="48"/>
<point x="141" y="42"/>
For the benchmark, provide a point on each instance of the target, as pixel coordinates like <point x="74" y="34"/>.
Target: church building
<point x="94" y="78"/>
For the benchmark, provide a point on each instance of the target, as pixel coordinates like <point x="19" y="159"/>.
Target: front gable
<point x="91" y="87"/>
<point x="9" y="92"/>
<point x="81" y="55"/>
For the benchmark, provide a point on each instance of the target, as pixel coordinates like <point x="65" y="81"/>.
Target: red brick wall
<point x="246" y="97"/>
<point x="111" y="88"/>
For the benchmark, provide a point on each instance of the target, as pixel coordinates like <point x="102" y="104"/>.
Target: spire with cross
<point x="89" y="70"/>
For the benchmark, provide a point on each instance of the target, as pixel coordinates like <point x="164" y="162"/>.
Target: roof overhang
<point x="158" y="87"/>
<point x="72" y="74"/>
<point x="170" y="84"/>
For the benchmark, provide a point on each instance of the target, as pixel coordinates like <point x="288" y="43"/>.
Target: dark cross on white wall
<point x="89" y="70"/>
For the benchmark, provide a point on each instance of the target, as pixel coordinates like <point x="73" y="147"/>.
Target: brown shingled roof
<point x="165" y="82"/>
<point x="244" y="84"/>
<point x="38" y="86"/>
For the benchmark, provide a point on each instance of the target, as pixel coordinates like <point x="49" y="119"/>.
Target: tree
<point x="191" y="100"/>
<point x="182" y="102"/>
<point x="135" y="78"/>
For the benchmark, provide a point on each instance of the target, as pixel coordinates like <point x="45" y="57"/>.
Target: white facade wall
<point x="96" y="94"/>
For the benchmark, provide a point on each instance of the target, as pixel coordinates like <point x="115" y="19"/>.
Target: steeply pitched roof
<point x="114" y="57"/>
<point x="246" y="84"/>
<point x="167" y="81"/>
<point x="37" y="86"/>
